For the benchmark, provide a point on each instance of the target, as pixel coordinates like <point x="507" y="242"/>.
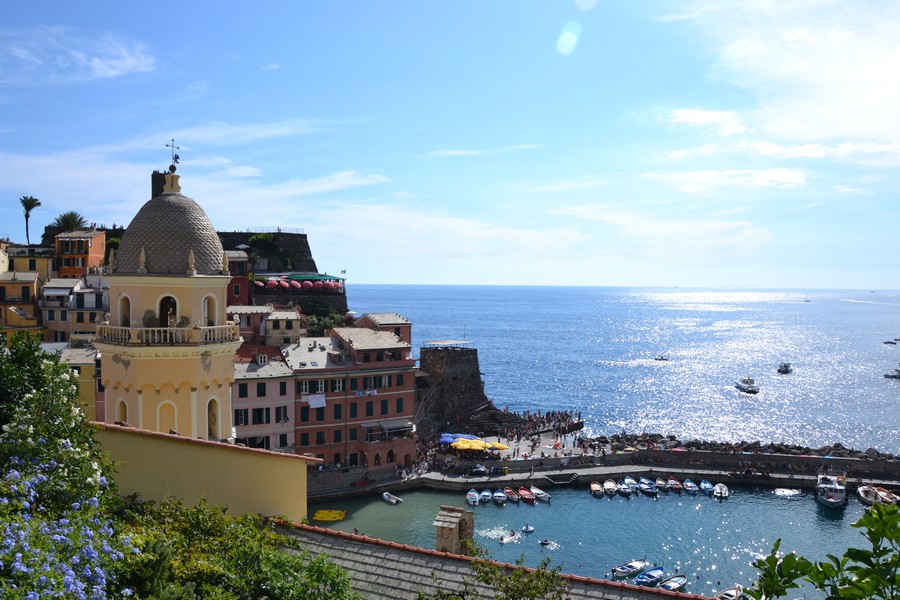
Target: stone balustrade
<point x="156" y="336"/>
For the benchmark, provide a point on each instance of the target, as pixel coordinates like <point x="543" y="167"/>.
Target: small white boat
<point x="527" y="528"/>
<point x="673" y="583"/>
<point x="674" y="485"/>
<point x="596" y="489"/>
<point x="650" y="577"/>
<point x="486" y="496"/>
<point x="648" y="487"/>
<point x="391" y="499"/>
<point x="623" y="488"/>
<point x="500" y="497"/>
<point x="631" y="483"/>
<point x="473" y="497"/>
<point x="831" y="490"/>
<point x="540" y="494"/>
<point x="630" y="569"/>
<point x="732" y="593"/>
<point x="512" y="537"/>
<point x="867" y="494"/>
<point x="886" y="497"/>
<point x="785" y="368"/>
<point x="747" y="385"/>
<point x="720" y="491"/>
<point x="609" y="487"/>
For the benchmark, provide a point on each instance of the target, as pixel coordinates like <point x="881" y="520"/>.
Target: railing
<point x="167" y="335"/>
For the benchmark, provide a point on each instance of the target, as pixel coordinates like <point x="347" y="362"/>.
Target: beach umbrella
<point x="307" y="284"/>
<point x="259" y="283"/>
<point x="295" y="283"/>
<point x="271" y="284"/>
<point x="318" y="284"/>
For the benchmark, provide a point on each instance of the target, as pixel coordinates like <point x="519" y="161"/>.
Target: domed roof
<point x="168" y="228"/>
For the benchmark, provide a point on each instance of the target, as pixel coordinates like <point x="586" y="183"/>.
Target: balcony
<point x="167" y="336"/>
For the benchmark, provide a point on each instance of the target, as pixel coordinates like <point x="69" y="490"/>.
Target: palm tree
<point x="29" y="203"/>
<point x="67" y="221"/>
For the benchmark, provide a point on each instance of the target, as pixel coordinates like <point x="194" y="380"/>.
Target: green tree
<point x="68" y="221"/>
<point x="29" y="203"/>
<point x="860" y="573"/>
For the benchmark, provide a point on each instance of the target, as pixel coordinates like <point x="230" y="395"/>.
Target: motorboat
<point x="720" y="491"/>
<point x="526" y="495"/>
<point x="785" y="368"/>
<point x="527" y="528"/>
<point x="867" y="494"/>
<point x="661" y="485"/>
<point x="831" y="489"/>
<point x="500" y="497"/>
<point x="893" y="374"/>
<point x="650" y="577"/>
<point x="747" y="385"/>
<point x="609" y="487"/>
<point x="732" y="593"/>
<point x="690" y="487"/>
<point x="486" y="496"/>
<point x="886" y="497"/>
<point x="473" y="497"/>
<point x="544" y="542"/>
<point x="890" y="342"/>
<point x="648" y="487"/>
<point x="662" y="357"/>
<point x="630" y="569"/>
<point x="674" y="583"/>
<point x="596" y="489"/>
<point x="706" y="487"/>
<point x="511" y="494"/>
<point x="623" y="488"/>
<point x="673" y="485"/>
<point x="390" y="498"/>
<point x="540" y="494"/>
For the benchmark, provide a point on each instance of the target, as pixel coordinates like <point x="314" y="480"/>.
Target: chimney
<point x="157" y="183"/>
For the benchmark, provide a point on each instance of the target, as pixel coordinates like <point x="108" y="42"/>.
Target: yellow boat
<point x="329" y="515"/>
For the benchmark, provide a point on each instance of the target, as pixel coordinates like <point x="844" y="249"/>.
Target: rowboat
<point x="661" y="485"/>
<point x="720" y="491"/>
<point x="690" y="487"/>
<point x="732" y="593"/>
<point x="391" y="499"/>
<point x="623" y="488"/>
<point x="886" y="497"/>
<point x="647" y="487"/>
<point x="527" y="528"/>
<point x="540" y="494"/>
<point x="511" y="494"/>
<point x="526" y="495"/>
<point x="867" y="495"/>
<point x="674" y="485"/>
<point x="609" y="486"/>
<point x="650" y="576"/>
<point x="512" y="537"/>
<point x="673" y="583"/>
<point x="706" y="487"/>
<point x="596" y="489"/>
<point x="630" y="569"/>
<point x="500" y="497"/>
<point x="631" y="483"/>
<point x="472" y="497"/>
<point x="486" y="496"/>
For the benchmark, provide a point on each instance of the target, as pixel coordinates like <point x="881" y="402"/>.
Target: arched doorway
<point x="377" y="459"/>
<point x="390" y="457"/>
<point x="168" y="421"/>
<point x="121" y="412"/>
<point x="212" y="420"/>
<point x="168" y="311"/>
<point x="209" y="311"/>
<point x="124" y="311"/>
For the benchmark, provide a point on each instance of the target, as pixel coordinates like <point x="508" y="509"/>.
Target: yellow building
<point x="167" y="348"/>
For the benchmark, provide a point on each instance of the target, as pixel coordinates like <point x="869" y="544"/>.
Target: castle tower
<point x="167" y="346"/>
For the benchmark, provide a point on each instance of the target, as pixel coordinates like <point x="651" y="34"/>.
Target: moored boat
<point x="674" y="485"/>
<point x="631" y="483"/>
<point x="648" y="487"/>
<point x="650" y="577"/>
<point x="886" y="497"/>
<point x="596" y="489"/>
<point x="661" y="485"/>
<point x="706" y="487"/>
<point x="609" y="486"/>
<point x="623" y="488"/>
<point x="732" y="593"/>
<point x="511" y="494"/>
<point x="867" y="494"/>
<point x="500" y="497"/>
<point x="690" y="487"/>
<point x="720" y="491"/>
<point x="673" y="584"/>
<point x="390" y="498"/>
<point x="526" y="495"/>
<point x="486" y="496"/>
<point x="540" y="494"/>
<point x="747" y="385"/>
<point x="630" y="569"/>
<point x="473" y="497"/>
<point x="831" y="489"/>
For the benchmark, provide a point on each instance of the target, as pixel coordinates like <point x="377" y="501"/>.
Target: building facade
<point x="79" y="252"/>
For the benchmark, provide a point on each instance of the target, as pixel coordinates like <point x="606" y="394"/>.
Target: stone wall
<point x="456" y="380"/>
<point x="294" y="246"/>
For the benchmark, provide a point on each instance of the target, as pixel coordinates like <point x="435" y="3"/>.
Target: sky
<point x="697" y="143"/>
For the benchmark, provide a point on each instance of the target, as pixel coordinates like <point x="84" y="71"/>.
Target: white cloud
<point x="557" y="187"/>
<point x="724" y="122"/>
<point x="62" y="55"/>
<point x="705" y="180"/>
<point x="452" y="153"/>
<point x="271" y="67"/>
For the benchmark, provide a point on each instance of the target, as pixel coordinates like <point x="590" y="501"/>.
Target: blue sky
<point x="693" y="143"/>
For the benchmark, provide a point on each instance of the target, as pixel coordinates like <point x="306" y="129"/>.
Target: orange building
<point x="79" y="252"/>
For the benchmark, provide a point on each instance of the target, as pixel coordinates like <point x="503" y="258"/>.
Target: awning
<point x="388" y="424"/>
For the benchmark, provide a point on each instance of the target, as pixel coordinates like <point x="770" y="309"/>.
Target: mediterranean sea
<point x="593" y="350"/>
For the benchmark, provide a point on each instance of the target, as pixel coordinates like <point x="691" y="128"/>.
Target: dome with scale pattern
<point x="167" y="229"/>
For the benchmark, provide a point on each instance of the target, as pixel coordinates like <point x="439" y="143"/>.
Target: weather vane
<point x="175" y="157"/>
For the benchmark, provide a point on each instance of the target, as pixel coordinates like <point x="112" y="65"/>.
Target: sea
<point x="593" y="351"/>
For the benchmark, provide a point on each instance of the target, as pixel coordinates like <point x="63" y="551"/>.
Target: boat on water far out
<point x="747" y="385"/>
<point x="785" y="368"/>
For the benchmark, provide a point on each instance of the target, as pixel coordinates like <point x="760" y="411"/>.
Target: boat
<point x="831" y="489"/>
<point x="648" y="487"/>
<point x="544" y="542"/>
<point x="391" y="499"/>
<point x="650" y="577"/>
<point x="720" y="491"/>
<point x="526" y="495"/>
<point x="596" y="489"/>
<point x="609" y="486"/>
<point x="512" y="537"/>
<point x="631" y="483"/>
<point x="486" y="496"/>
<point x="732" y="593"/>
<point x="540" y="494"/>
<point x="511" y="494"/>
<point x="329" y="515"/>
<point x="661" y="485"/>
<point x="527" y="528"/>
<point x="630" y="569"/>
<point x="690" y="487"/>
<point x="706" y="487"/>
<point x="747" y="385"/>
<point x="890" y="342"/>
<point x="662" y="357"/>
<point x="785" y="368"/>
<point x="867" y="494"/>
<point x="674" y="485"/>
<point x="623" y="488"/>
<point x="886" y="497"/>
<point x="500" y="497"/>
<point x="674" y="583"/>
<point x="472" y="497"/>
<point x="892" y="374"/>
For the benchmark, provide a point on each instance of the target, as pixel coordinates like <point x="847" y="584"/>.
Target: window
<point x="370" y="408"/>
<point x="353" y="434"/>
<point x="320" y="386"/>
<point x="276" y="324"/>
<point x="51" y="315"/>
<point x="337" y="436"/>
<point x="63" y="315"/>
<point x="384" y="406"/>
<point x="289" y="325"/>
<point x="282" y="440"/>
<point x="281" y="415"/>
<point x="399" y="379"/>
<point x="261" y="389"/>
<point x="304" y="414"/>
<point x="282" y="388"/>
<point x="79" y="317"/>
<point x="260" y="416"/>
<point x="366" y="357"/>
<point x="337" y="412"/>
<point x="304" y="439"/>
<point x="92" y="317"/>
<point x="353" y="384"/>
<point x="242" y="390"/>
<point x="337" y="385"/>
<point x="399" y="405"/>
<point x="320" y="437"/>
<point x="236" y="290"/>
<point x="240" y="416"/>
<point x="32" y="265"/>
<point x="379" y="357"/>
<point x="353" y="414"/>
<point x="320" y="414"/>
<point x="303" y="387"/>
<point x="286" y="341"/>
